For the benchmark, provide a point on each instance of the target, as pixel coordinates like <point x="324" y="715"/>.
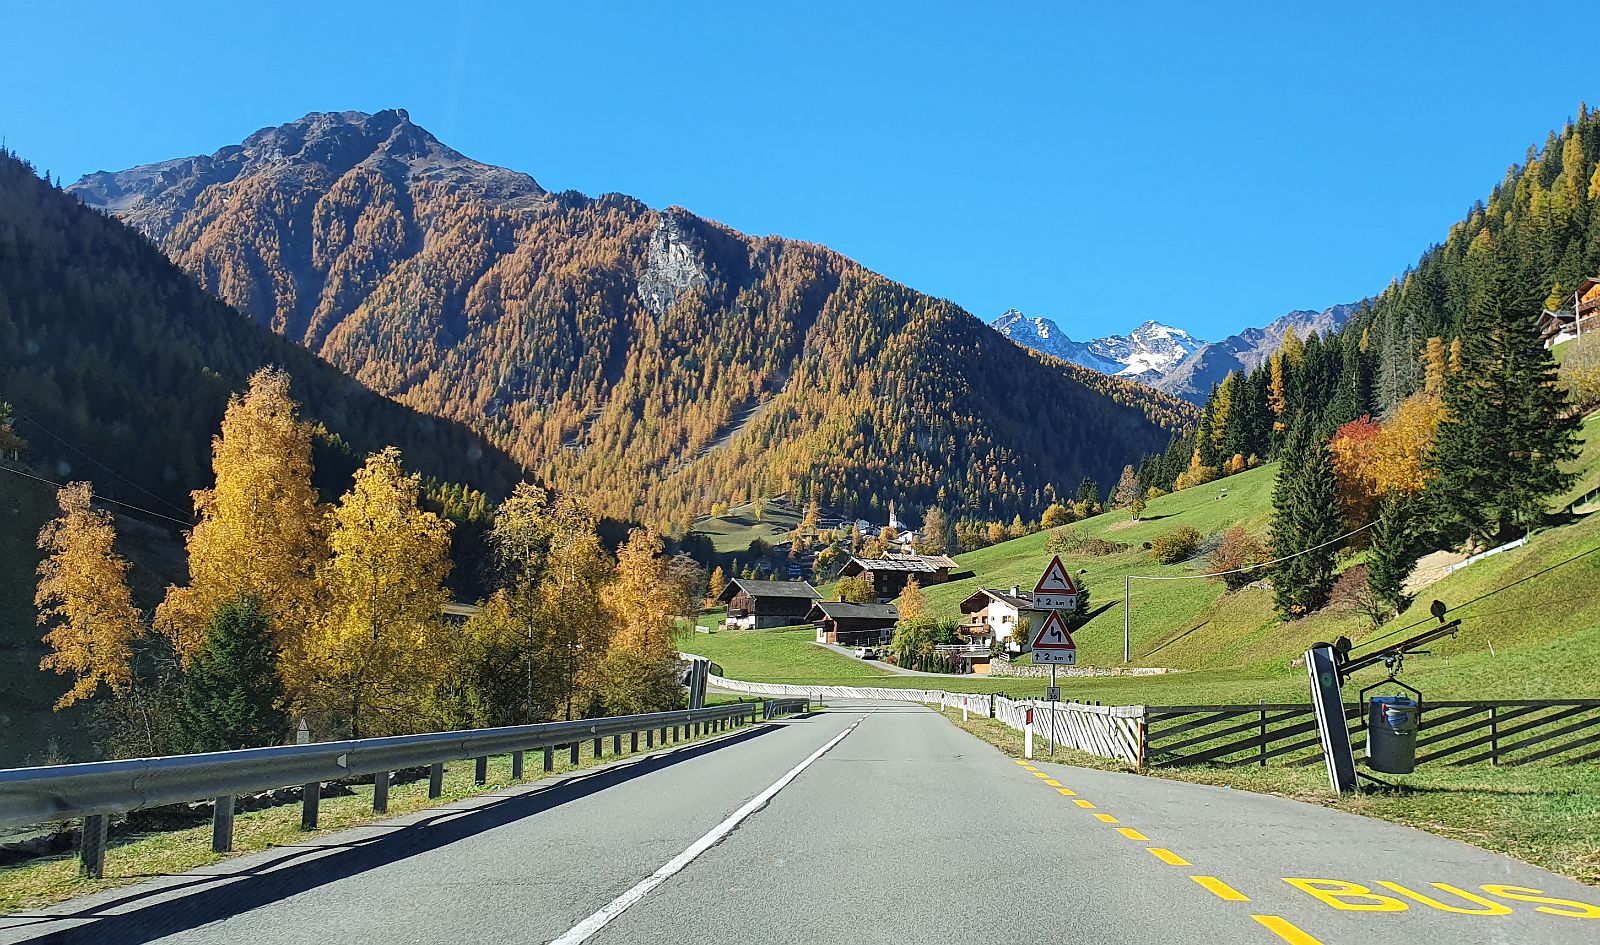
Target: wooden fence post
<point x="1263" y="755"/>
<point x="1494" y="736"/>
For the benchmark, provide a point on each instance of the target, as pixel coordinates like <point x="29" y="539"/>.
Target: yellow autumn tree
<point x="1401" y="453"/>
<point x="1221" y="406"/>
<point x="1277" y="390"/>
<point x="717" y="583"/>
<point x="1293" y="348"/>
<point x="260" y="529"/>
<point x="911" y="604"/>
<point x="646" y="595"/>
<point x="379" y="648"/>
<point x="83" y="598"/>
<point x="572" y="597"/>
<point x="1434" y="365"/>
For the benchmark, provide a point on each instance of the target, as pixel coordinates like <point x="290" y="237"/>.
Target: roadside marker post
<point x="1027" y="734"/>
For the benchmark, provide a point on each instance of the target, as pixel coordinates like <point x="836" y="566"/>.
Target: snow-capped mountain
<point x="1166" y="358"/>
<point x="1146" y="353"/>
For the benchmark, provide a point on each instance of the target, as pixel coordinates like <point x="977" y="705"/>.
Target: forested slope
<point x="610" y="346"/>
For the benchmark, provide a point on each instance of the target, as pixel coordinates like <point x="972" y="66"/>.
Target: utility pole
<point x="1127" y="622"/>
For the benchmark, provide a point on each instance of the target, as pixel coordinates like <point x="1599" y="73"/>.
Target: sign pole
<point x="1052" y="710"/>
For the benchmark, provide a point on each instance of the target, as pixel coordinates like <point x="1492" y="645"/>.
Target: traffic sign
<point x="1053" y="642"/>
<point x="1055" y="590"/>
<point x="1054" y="694"/>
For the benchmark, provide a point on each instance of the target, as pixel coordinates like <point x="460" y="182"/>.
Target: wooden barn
<point x="758" y="605"/>
<point x="853" y="624"/>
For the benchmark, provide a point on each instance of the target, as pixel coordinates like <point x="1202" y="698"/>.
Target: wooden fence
<point x="1514" y="732"/>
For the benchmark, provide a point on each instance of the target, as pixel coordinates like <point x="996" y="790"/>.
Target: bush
<point x="1065" y="540"/>
<point x="1175" y="546"/>
<point x="1238" y="549"/>
<point x="1194" y="476"/>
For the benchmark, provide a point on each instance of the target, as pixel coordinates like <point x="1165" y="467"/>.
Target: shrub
<point x="1195" y="476"/>
<point x="1065" y="540"/>
<point x="1238" y="549"/>
<point x="1155" y="492"/>
<point x="1175" y="546"/>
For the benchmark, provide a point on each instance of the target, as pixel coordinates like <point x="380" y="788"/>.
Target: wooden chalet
<point x="758" y="605"/>
<point x="1565" y="323"/>
<point x="853" y="624"/>
<point x="889" y="575"/>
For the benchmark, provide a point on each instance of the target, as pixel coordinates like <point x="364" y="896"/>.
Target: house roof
<point x="1022" y="600"/>
<point x="843" y="610"/>
<point x="795" y="589"/>
<point x="936" y="561"/>
<point x="911" y="564"/>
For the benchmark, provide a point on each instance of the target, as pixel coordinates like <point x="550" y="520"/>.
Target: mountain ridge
<point x="606" y="344"/>
<point x="1183" y="365"/>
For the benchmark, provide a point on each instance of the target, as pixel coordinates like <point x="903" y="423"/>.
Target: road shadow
<point x="215" y="896"/>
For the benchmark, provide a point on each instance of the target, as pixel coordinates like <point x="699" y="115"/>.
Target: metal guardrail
<point x="772" y="708"/>
<point x="95" y="790"/>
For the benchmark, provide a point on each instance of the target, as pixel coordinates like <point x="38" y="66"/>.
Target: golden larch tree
<point x="83" y="598"/>
<point x="260" y="529"/>
<point x="379" y="648"/>
<point x="912" y="605"/>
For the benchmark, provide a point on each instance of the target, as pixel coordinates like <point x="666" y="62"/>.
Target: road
<point x="863" y="823"/>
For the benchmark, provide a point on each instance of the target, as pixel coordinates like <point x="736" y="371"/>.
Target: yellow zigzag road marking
<point x="1286" y="930"/>
<point x="1221" y="889"/>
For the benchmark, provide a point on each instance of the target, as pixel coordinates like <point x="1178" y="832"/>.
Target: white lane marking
<point x="594" y="923"/>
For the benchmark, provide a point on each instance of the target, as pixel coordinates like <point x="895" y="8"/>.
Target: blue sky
<point x="1210" y="165"/>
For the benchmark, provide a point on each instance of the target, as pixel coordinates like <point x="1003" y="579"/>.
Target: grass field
<point x="1547" y="816"/>
<point x="732" y="533"/>
<point x="1528" y="623"/>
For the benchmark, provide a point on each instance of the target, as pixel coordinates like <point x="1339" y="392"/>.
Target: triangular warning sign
<point x="1053" y="634"/>
<point x="1055" y="579"/>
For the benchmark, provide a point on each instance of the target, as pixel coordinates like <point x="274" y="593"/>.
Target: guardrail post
<point x="572" y="753"/>
<point x="380" y="793"/>
<point x="222" y="823"/>
<point x="480" y="769"/>
<point x="616" y="744"/>
<point x="549" y="758"/>
<point x="597" y="743"/>
<point x="633" y="741"/>
<point x="650" y="738"/>
<point x="436" y="779"/>
<point x="310" y="800"/>
<point x="516" y="766"/>
<point x="92" y="846"/>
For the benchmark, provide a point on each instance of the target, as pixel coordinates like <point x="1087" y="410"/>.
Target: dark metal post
<point x="222" y="824"/>
<point x="1263" y="756"/>
<point x="516" y="766"/>
<point x="597" y="743"/>
<point x="480" y="769"/>
<point x="616" y="744"/>
<point x="633" y="741"/>
<point x="310" y="799"/>
<point x="1494" y="736"/>
<point x="92" y="846"/>
<point x="436" y="779"/>
<point x="380" y="793"/>
<point x="549" y="759"/>
<point x="572" y="753"/>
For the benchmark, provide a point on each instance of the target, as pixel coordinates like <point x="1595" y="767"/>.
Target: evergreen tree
<point x="1393" y="552"/>
<point x="1505" y="433"/>
<point x="232" y="696"/>
<point x="1088" y="494"/>
<point x="1305" y="514"/>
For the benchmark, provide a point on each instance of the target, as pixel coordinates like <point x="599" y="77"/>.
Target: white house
<point x="994" y="613"/>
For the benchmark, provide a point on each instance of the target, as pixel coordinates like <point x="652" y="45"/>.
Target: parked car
<point x="866" y="653"/>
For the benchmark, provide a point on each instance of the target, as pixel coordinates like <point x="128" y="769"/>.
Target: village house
<point x="889" y="575"/>
<point x="993" y="615"/>
<point x="758" y="605"/>
<point x="848" y="624"/>
<point x="1564" y="323"/>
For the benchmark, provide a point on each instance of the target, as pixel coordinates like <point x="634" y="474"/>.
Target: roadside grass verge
<point x="134" y="857"/>
<point x="1548" y="816"/>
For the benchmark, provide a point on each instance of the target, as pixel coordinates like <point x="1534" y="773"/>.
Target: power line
<point x="1248" y="567"/>
<point x="58" y="485"/>
<point x="50" y="433"/>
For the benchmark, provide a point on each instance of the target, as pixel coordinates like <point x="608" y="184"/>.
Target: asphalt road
<point x="864" y="823"/>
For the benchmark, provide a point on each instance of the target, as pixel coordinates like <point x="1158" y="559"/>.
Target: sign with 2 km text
<point x="1055" y="590"/>
<point x="1052" y="642"/>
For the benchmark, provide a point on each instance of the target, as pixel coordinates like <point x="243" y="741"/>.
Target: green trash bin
<point x="1392" y="734"/>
